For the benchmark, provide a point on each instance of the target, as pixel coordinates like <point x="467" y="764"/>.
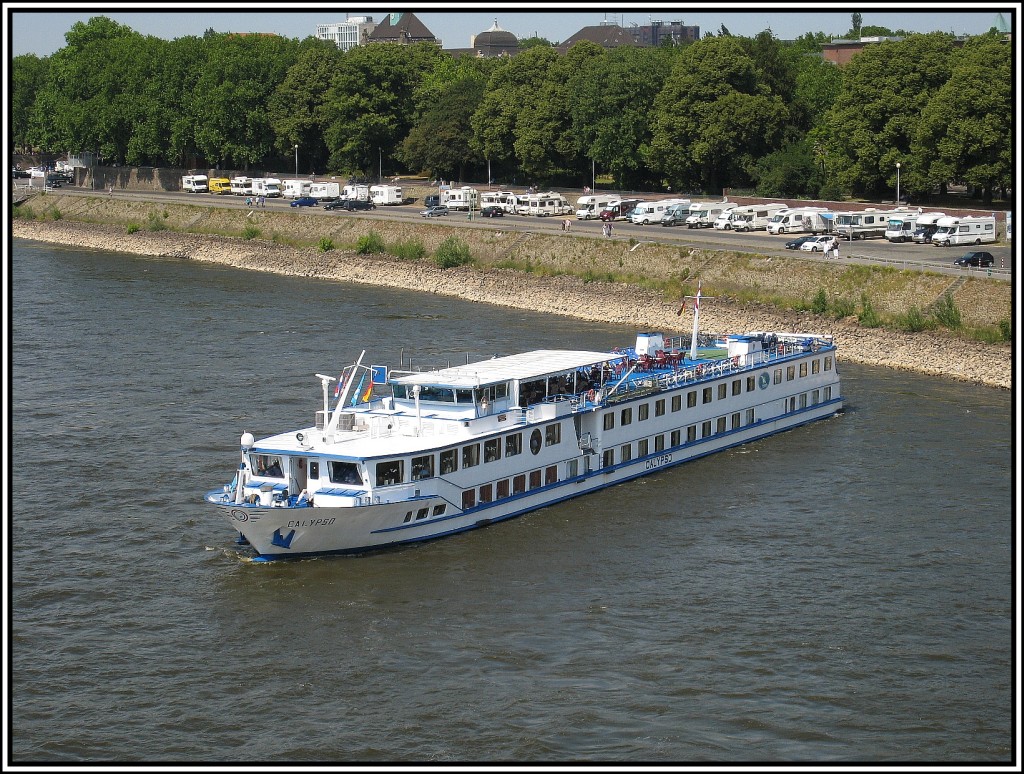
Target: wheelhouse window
<point x="268" y="465"/>
<point x="343" y="472"/>
<point x="390" y="472"/>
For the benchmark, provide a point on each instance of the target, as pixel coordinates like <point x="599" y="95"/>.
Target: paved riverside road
<point x="873" y="251"/>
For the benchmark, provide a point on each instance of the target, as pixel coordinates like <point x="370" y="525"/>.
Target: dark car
<point x="350" y="205"/>
<point x="432" y="201"/>
<point x="305" y="201"/>
<point x="55" y="181"/>
<point x="19" y="173"/>
<point x="796" y="244"/>
<point x="975" y="259"/>
<point x="433" y="212"/>
<point x="492" y="211"/>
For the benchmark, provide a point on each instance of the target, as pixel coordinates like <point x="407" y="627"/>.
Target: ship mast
<point x="696" y="319"/>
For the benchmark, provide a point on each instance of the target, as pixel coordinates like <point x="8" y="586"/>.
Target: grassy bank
<point x="869" y="296"/>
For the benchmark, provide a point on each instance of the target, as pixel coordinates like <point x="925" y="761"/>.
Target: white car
<point x="818" y="244"/>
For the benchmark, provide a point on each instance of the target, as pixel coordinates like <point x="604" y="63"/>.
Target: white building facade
<point x="346" y="34"/>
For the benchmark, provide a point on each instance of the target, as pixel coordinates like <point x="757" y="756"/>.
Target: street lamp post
<point x="897" y="183"/>
<point x="296" y="160"/>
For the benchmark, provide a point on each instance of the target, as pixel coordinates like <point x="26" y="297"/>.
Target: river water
<point x="842" y="593"/>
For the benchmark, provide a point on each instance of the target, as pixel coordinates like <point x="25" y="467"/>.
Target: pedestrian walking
<point x="835" y="248"/>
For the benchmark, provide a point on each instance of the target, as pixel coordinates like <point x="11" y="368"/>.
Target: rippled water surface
<point x="839" y="593"/>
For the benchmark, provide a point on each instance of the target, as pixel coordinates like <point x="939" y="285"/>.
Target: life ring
<point x="592" y="396"/>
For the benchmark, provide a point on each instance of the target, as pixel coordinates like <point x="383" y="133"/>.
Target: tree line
<point x="721" y="112"/>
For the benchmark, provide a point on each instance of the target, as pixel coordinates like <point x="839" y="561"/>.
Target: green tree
<point x="29" y="75"/>
<point x="370" y="103"/>
<point x="714" y="119"/>
<point x="297" y="108"/>
<point x="510" y="94"/>
<point x="228" y="105"/>
<point x="441" y="140"/>
<point x="613" y="98"/>
<point x="875" y="117"/>
<point x="971" y="145"/>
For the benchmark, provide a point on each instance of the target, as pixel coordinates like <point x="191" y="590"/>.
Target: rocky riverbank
<point x="934" y="353"/>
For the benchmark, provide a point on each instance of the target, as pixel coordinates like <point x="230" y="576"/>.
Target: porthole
<point x="535" y="441"/>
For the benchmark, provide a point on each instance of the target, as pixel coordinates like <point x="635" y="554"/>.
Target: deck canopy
<point x="526" y="365"/>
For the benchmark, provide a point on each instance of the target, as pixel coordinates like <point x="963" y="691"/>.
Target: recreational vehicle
<point x="867" y="223"/>
<point x="544" y="204"/>
<point x="506" y="200"/>
<point x="652" y="212"/>
<point x="619" y="210"/>
<point x="386" y="194"/>
<point x="269" y="187"/>
<point x="465" y="198"/>
<point x="965" y="231"/>
<point x="792" y="220"/>
<point x="707" y="213"/>
<point x="195" y="183"/>
<point x="927" y="225"/>
<point x="748" y="217"/>
<point x="325" y="192"/>
<point x="241" y="186"/>
<point x="900" y="228"/>
<point x="590" y="207"/>
<point x="295" y="189"/>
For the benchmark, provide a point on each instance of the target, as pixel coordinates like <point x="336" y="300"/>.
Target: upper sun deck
<point x="498" y="370"/>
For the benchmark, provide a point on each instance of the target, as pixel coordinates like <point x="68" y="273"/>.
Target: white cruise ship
<point x="403" y="457"/>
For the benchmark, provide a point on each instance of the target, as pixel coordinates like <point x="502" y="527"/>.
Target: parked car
<point x="817" y="244"/>
<point x="305" y="201"/>
<point x="433" y="212"/>
<point x="492" y="211"/>
<point x="21" y="172"/>
<point x="350" y="205"/>
<point x="796" y="244"/>
<point x="975" y="258"/>
<point x="432" y="201"/>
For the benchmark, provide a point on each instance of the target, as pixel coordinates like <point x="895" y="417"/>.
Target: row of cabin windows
<point x="711" y="427"/>
<point x="508" y="487"/>
<point x="708" y="428"/>
<point x="736" y="387"/>
<point x="390" y="472"/>
<point x="438" y="510"/>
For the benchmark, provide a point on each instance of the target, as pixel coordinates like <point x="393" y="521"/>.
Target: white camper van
<point x="195" y="183"/>
<point x="676" y="213"/>
<point x="707" y="213"/>
<point x="266" y="186"/>
<point x="325" y="192"/>
<point x="866" y="223"/>
<point x="791" y="220"/>
<point x="293" y="189"/>
<point x="241" y="186"/>
<point x="544" y="204"/>
<point x="386" y="194"/>
<point x="357" y="192"/>
<point x="506" y="200"/>
<point x="965" y="231"/>
<point x="900" y="227"/>
<point x="590" y="207"/>
<point x="465" y="198"/>
<point x="748" y="217"/>
<point x="652" y="212"/>
<point x="927" y="225"/>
